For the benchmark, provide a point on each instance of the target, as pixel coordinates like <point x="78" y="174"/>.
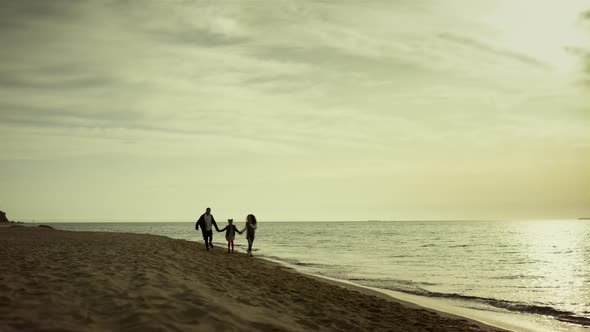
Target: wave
<point x="383" y="283"/>
<point x="312" y="264"/>
<point x="516" y="277"/>
<point x="414" y="289"/>
<point x="296" y="262"/>
<point x="290" y="261"/>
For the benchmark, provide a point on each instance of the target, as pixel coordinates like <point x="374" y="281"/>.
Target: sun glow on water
<point x="558" y="253"/>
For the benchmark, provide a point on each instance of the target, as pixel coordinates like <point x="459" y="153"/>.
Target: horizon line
<point x="308" y="221"/>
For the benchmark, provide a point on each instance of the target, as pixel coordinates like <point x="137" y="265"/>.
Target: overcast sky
<point x="294" y="110"/>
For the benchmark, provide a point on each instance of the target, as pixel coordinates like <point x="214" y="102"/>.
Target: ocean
<point x="523" y="275"/>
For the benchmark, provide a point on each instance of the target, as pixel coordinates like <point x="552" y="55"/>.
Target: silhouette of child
<point x="230" y="234"/>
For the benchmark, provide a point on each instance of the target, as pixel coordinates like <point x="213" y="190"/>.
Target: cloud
<point x="586" y="15"/>
<point x="292" y="72"/>
<point x="469" y="42"/>
<point x="275" y="100"/>
<point x="15" y="12"/>
<point x="52" y="78"/>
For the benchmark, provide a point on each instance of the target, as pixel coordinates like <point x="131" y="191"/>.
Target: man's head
<point x="208" y="211"/>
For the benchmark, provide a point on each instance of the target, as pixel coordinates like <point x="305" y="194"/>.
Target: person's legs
<point x="228" y="243"/>
<point x="210" y="236"/>
<point x="205" y="238"/>
<point x="250" y="241"/>
<point x="232" y="246"/>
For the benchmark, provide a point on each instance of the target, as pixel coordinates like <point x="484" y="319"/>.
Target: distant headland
<point x="5" y="220"/>
<point x="3" y="217"/>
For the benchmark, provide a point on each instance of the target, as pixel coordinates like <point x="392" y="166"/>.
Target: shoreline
<point x="409" y="302"/>
<point x="415" y="301"/>
<point x="68" y="280"/>
<point x="453" y="308"/>
<point x="507" y="321"/>
<point x="387" y="295"/>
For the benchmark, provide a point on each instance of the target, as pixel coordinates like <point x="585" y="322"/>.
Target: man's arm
<point x="214" y="223"/>
<point x="197" y="223"/>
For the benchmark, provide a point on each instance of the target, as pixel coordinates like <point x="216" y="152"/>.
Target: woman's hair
<point x="251" y="218"/>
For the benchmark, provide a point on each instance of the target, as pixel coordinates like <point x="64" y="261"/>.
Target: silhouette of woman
<point x="250" y="229"/>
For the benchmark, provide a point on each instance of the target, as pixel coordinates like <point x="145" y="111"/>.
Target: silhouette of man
<point x="206" y="221"/>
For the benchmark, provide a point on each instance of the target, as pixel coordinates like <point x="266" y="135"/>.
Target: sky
<point x="303" y="110"/>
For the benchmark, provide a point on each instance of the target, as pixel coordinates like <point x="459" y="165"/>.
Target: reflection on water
<point x="556" y="250"/>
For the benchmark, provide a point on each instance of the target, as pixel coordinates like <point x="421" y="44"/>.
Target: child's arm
<point x="237" y="230"/>
<point x="221" y="230"/>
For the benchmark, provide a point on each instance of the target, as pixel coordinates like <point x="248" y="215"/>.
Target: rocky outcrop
<point x="3" y="217"/>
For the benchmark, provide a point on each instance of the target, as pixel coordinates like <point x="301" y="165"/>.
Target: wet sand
<point x="73" y="281"/>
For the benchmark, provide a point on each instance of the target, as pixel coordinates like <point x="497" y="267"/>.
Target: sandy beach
<point x="84" y="281"/>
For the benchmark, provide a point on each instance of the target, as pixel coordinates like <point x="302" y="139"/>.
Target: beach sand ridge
<point x="71" y="281"/>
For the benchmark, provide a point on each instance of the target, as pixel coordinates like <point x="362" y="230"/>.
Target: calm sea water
<point x="534" y="268"/>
